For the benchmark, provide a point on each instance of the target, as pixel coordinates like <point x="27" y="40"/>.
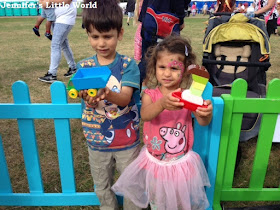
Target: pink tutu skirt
<point x="177" y="184"/>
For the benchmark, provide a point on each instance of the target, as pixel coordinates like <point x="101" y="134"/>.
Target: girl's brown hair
<point x="172" y="44"/>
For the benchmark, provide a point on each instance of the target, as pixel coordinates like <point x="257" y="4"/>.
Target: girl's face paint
<point x="174" y="64"/>
<point x="169" y="70"/>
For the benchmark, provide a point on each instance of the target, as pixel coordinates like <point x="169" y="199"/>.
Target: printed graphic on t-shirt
<point x="107" y="122"/>
<point x="173" y="143"/>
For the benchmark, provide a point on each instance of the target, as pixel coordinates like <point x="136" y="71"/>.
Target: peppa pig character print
<point x="175" y="140"/>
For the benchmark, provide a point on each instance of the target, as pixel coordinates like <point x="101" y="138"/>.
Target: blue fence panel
<point x="5" y="182"/>
<point x="64" y="141"/>
<point x="207" y="140"/>
<point x="206" y="144"/>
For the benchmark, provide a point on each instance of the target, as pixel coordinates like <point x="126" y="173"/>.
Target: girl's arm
<point x="204" y="115"/>
<point x="150" y="109"/>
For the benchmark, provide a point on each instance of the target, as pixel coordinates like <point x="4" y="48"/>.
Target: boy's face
<point x="105" y="43"/>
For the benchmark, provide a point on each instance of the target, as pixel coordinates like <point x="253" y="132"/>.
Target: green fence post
<point x="265" y="139"/>
<point x="238" y="90"/>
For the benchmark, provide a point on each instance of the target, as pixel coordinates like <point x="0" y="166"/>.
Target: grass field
<point x="26" y="57"/>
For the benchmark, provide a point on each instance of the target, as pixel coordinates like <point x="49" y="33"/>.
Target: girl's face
<point x="169" y="70"/>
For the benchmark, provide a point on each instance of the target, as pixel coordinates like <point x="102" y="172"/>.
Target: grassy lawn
<point x="26" y="57"/>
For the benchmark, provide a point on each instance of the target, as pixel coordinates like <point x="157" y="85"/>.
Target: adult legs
<point x="127" y="20"/>
<point x="60" y="42"/>
<point x="129" y="15"/>
<point x="271" y="26"/>
<point x="68" y="54"/>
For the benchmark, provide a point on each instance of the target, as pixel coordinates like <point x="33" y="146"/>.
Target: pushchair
<point x="236" y="46"/>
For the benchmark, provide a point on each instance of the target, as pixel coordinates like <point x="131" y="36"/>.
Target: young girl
<point x="167" y="173"/>
<point x="193" y="9"/>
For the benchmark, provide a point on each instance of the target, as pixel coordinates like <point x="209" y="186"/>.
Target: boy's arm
<point x="130" y="81"/>
<point x="121" y="99"/>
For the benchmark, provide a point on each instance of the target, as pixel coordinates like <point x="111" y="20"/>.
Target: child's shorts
<point x="48" y="14"/>
<point x="130" y="14"/>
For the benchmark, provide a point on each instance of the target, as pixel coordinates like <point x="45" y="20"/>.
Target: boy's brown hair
<point x="106" y="16"/>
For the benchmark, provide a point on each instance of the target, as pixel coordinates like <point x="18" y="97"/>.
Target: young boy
<point x="110" y="120"/>
<point x="50" y="16"/>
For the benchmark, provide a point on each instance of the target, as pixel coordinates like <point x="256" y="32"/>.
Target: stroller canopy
<point x="236" y="28"/>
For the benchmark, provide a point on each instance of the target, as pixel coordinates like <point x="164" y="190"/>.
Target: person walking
<point x="171" y="6"/>
<point x="65" y="20"/>
<point x="205" y="9"/>
<point x="130" y="7"/>
<point x="268" y="9"/>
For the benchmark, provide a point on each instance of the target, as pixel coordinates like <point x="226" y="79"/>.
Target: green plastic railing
<point x="235" y="105"/>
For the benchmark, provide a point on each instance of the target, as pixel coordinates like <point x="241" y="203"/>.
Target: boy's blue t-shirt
<point x="110" y="127"/>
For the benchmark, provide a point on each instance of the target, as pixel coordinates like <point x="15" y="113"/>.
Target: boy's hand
<point x="101" y="95"/>
<point x="169" y="102"/>
<point x="205" y="112"/>
<point x="83" y="94"/>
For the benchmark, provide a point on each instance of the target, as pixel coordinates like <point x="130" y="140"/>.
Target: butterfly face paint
<point x="178" y="65"/>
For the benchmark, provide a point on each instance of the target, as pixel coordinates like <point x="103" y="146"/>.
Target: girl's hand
<point x="205" y="112"/>
<point x="204" y="115"/>
<point x="169" y="102"/>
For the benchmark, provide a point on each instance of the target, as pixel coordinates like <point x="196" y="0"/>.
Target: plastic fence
<point x="235" y="105"/>
<point x="207" y="141"/>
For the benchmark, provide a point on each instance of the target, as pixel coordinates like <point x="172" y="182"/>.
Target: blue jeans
<point x="60" y="42"/>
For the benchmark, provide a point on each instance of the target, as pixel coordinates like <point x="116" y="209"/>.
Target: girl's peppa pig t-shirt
<point x="169" y="136"/>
